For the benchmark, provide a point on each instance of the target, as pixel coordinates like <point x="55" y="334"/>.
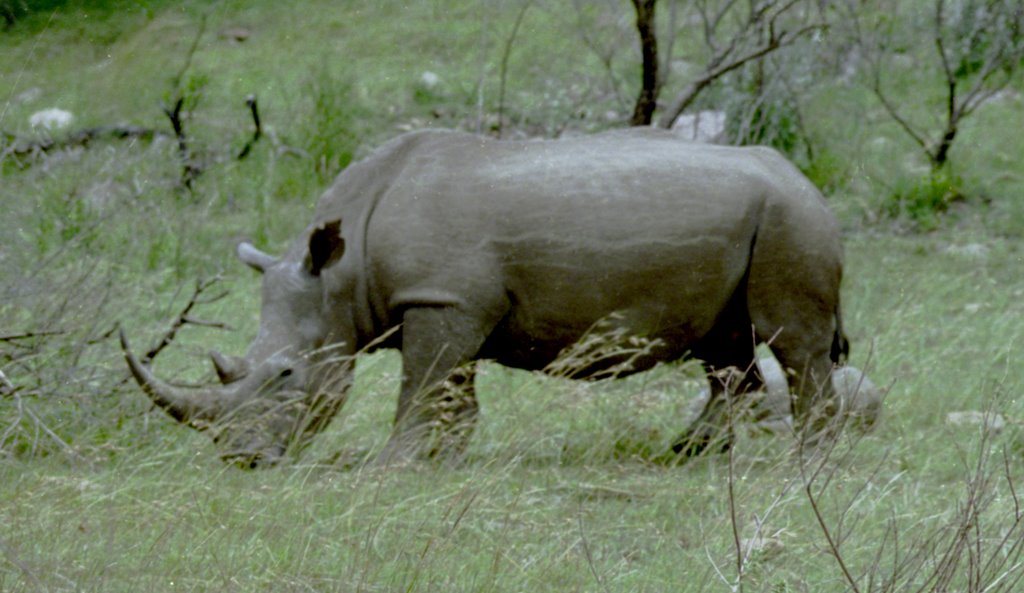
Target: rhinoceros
<point x="456" y="248"/>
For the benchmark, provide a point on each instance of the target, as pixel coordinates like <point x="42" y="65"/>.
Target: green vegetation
<point x="99" y="492"/>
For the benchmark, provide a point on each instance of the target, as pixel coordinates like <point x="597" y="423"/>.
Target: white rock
<point x="430" y="79"/>
<point x="51" y="119"/>
<point x="859" y="398"/>
<point x="978" y="250"/>
<point x="990" y="420"/>
<point x="703" y="126"/>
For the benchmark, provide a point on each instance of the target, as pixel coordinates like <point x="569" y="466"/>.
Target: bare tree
<point x="736" y="33"/>
<point x="647" y="100"/>
<point x="979" y="45"/>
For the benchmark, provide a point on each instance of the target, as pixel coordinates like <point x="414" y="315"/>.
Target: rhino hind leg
<point x="801" y="333"/>
<point x="729" y="360"/>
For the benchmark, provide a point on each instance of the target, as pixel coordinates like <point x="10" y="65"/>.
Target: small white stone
<point x="703" y="126"/>
<point x="430" y="79"/>
<point x="51" y="119"/>
<point x="990" y="420"/>
<point x="970" y="250"/>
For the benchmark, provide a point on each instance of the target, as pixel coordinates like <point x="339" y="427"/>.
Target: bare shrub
<point x="978" y="47"/>
<point x="977" y="547"/>
<point x="65" y="396"/>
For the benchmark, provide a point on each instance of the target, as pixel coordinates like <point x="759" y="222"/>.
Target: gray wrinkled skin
<point x="455" y="248"/>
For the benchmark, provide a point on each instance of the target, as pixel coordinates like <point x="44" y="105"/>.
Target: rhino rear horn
<point x="253" y="257"/>
<point x="194" y="407"/>
<point x="229" y="368"/>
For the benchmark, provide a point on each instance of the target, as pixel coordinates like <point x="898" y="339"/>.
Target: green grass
<point x="98" y="492"/>
<point x="549" y="496"/>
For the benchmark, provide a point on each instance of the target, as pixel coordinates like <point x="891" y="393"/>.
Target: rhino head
<point x="296" y="373"/>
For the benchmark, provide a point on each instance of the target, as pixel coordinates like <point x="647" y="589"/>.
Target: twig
<point x="1013" y="491"/>
<point x="729" y="57"/>
<point x="6" y="387"/>
<point x="183" y="317"/>
<point x="176" y="81"/>
<point x="604" y="49"/>
<point x="250" y="101"/>
<point x="19" y="147"/>
<point x="730" y="403"/>
<point x="31" y="334"/>
<point x="42" y="425"/>
<point x="820" y="519"/>
<point x="504" y="63"/>
<point x="586" y="550"/>
<point x="13" y="559"/>
<point x="190" y="170"/>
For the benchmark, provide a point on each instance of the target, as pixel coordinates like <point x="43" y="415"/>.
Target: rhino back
<point x="556" y="235"/>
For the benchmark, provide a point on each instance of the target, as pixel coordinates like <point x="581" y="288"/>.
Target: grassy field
<point x="99" y="492"/>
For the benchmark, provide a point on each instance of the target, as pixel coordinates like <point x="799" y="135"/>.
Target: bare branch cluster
<point x="736" y="34"/>
<point x="21" y="149"/>
<point x="185" y="317"/>
<point x="979" y="45"/>
<point x="77" y="327"/>
<point x="979" y="549"/>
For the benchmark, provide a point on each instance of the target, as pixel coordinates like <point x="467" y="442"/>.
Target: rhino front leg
<point x="437" y="407"/>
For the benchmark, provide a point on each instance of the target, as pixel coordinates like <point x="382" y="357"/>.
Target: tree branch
<point x="18" y="147"/>
<point x="724" y="59"/>
<point x="504" y="63"/>
<point x="250" y="102"/>
<point x="183" y="317"/>
<point x="646" y="100"/>
<point x="190" y="170"/>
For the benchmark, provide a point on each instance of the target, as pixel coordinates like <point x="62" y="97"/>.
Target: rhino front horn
<point x="194" y="407"/>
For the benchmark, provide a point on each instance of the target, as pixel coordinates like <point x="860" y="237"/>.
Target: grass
<point x="547" y="499"/>
<point x="101" y="493"/>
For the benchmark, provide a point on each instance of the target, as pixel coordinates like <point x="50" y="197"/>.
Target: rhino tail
<point x="840" y="345"/>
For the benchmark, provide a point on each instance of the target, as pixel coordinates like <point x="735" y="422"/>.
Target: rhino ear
<point x="325" y="247"/>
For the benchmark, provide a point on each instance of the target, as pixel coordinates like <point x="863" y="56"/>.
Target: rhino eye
<point x="285" y="373"/>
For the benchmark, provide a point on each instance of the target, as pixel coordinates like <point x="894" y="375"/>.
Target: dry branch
<point x="759" y="34"/>
<point x="30" y="334"/>
<point x="504" y="63"/>
<point x="190" y="169"/>
<point x="250" y="102"/>
<point x="184" y="318"/>
<point x="975" y="64"/>
<point x="20" y="148"/>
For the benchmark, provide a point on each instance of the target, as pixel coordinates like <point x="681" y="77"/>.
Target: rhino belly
<point x="570" y="358"/>
<point x="616" y="343"/>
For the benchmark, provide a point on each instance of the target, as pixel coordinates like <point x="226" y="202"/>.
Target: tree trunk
<point x="646" y="101"/>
